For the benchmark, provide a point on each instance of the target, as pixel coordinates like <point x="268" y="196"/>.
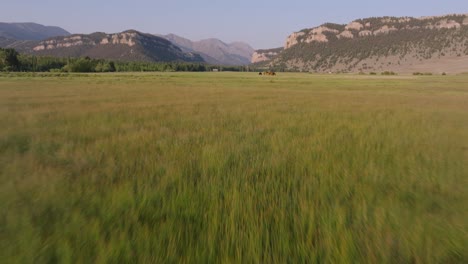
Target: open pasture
<point x="233" y="167"/>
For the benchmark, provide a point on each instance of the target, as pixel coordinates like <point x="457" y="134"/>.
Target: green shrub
<point x="388" y="73"/>
<point x="82" y="65"/>
<point x="422" y="73"/>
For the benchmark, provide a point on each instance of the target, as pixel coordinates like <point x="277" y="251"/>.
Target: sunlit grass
<point x="230" y="167"/>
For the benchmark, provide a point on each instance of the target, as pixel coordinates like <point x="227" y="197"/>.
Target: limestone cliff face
<point x="293" y="39"/>
<point x="346" y="34"/>
<point x="354" y="26"/>
<point x="125" y="38"/>
<point x="126" y="46"/>
<point x="376" y="44"/>
<point x="372" y="27"/>
<point x="265" y="55"/>
<point x="317" y="34"/>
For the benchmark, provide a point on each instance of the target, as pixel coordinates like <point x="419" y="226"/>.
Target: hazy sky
<point x="263" y="24"/>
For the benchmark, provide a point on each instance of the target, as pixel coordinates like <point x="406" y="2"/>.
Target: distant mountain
<point x="30" y="31"/>
<point x="215" y="51"/>
<point x="6" y="42"/>
<point x="125" y="46"/>
<point x="400" y="44"/>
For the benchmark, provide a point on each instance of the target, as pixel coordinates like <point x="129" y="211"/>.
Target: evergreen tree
<point x="9" y="60"/>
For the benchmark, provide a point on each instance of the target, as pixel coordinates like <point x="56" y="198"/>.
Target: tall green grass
<point x="208" y="168"/>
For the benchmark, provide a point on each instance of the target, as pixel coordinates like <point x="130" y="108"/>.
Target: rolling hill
<point x="30" y="31"/>
<point x="400" y="44"/>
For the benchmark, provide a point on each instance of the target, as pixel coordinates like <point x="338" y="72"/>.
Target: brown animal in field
<point x="270" y="73"/>
<point x="260" y="73"/>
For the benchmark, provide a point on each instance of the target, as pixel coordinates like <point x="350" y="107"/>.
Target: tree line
<point x="11" y="61"/>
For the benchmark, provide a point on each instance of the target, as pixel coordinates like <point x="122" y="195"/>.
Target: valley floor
<point x="233" y="167"/>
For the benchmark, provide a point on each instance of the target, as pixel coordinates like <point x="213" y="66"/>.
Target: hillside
<point x="30" y="31"/>
<point x="215" y="51"/>
<point x="265" y="54"/>
<point x="125" y="46"/>
<point x="400" y="44"/>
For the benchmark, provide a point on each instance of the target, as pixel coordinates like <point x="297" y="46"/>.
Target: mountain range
<point x="30" y="31"/>
<point x="129" y="45"/>
<point x="214" y="51"/>
<point x="400" y="44"/>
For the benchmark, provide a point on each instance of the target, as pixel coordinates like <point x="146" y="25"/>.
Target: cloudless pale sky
<point x="262" y="24"/>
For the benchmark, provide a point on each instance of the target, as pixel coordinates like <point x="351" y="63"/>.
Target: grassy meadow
<point x="233" y="168"/>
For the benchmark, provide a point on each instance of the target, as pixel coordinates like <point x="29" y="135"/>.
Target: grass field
<point x="233" y="167"/>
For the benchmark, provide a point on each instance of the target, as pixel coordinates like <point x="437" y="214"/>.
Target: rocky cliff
<point x="125" y="46"/>
<point x="374" y="44"/>
<point x="265" y="55"/>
